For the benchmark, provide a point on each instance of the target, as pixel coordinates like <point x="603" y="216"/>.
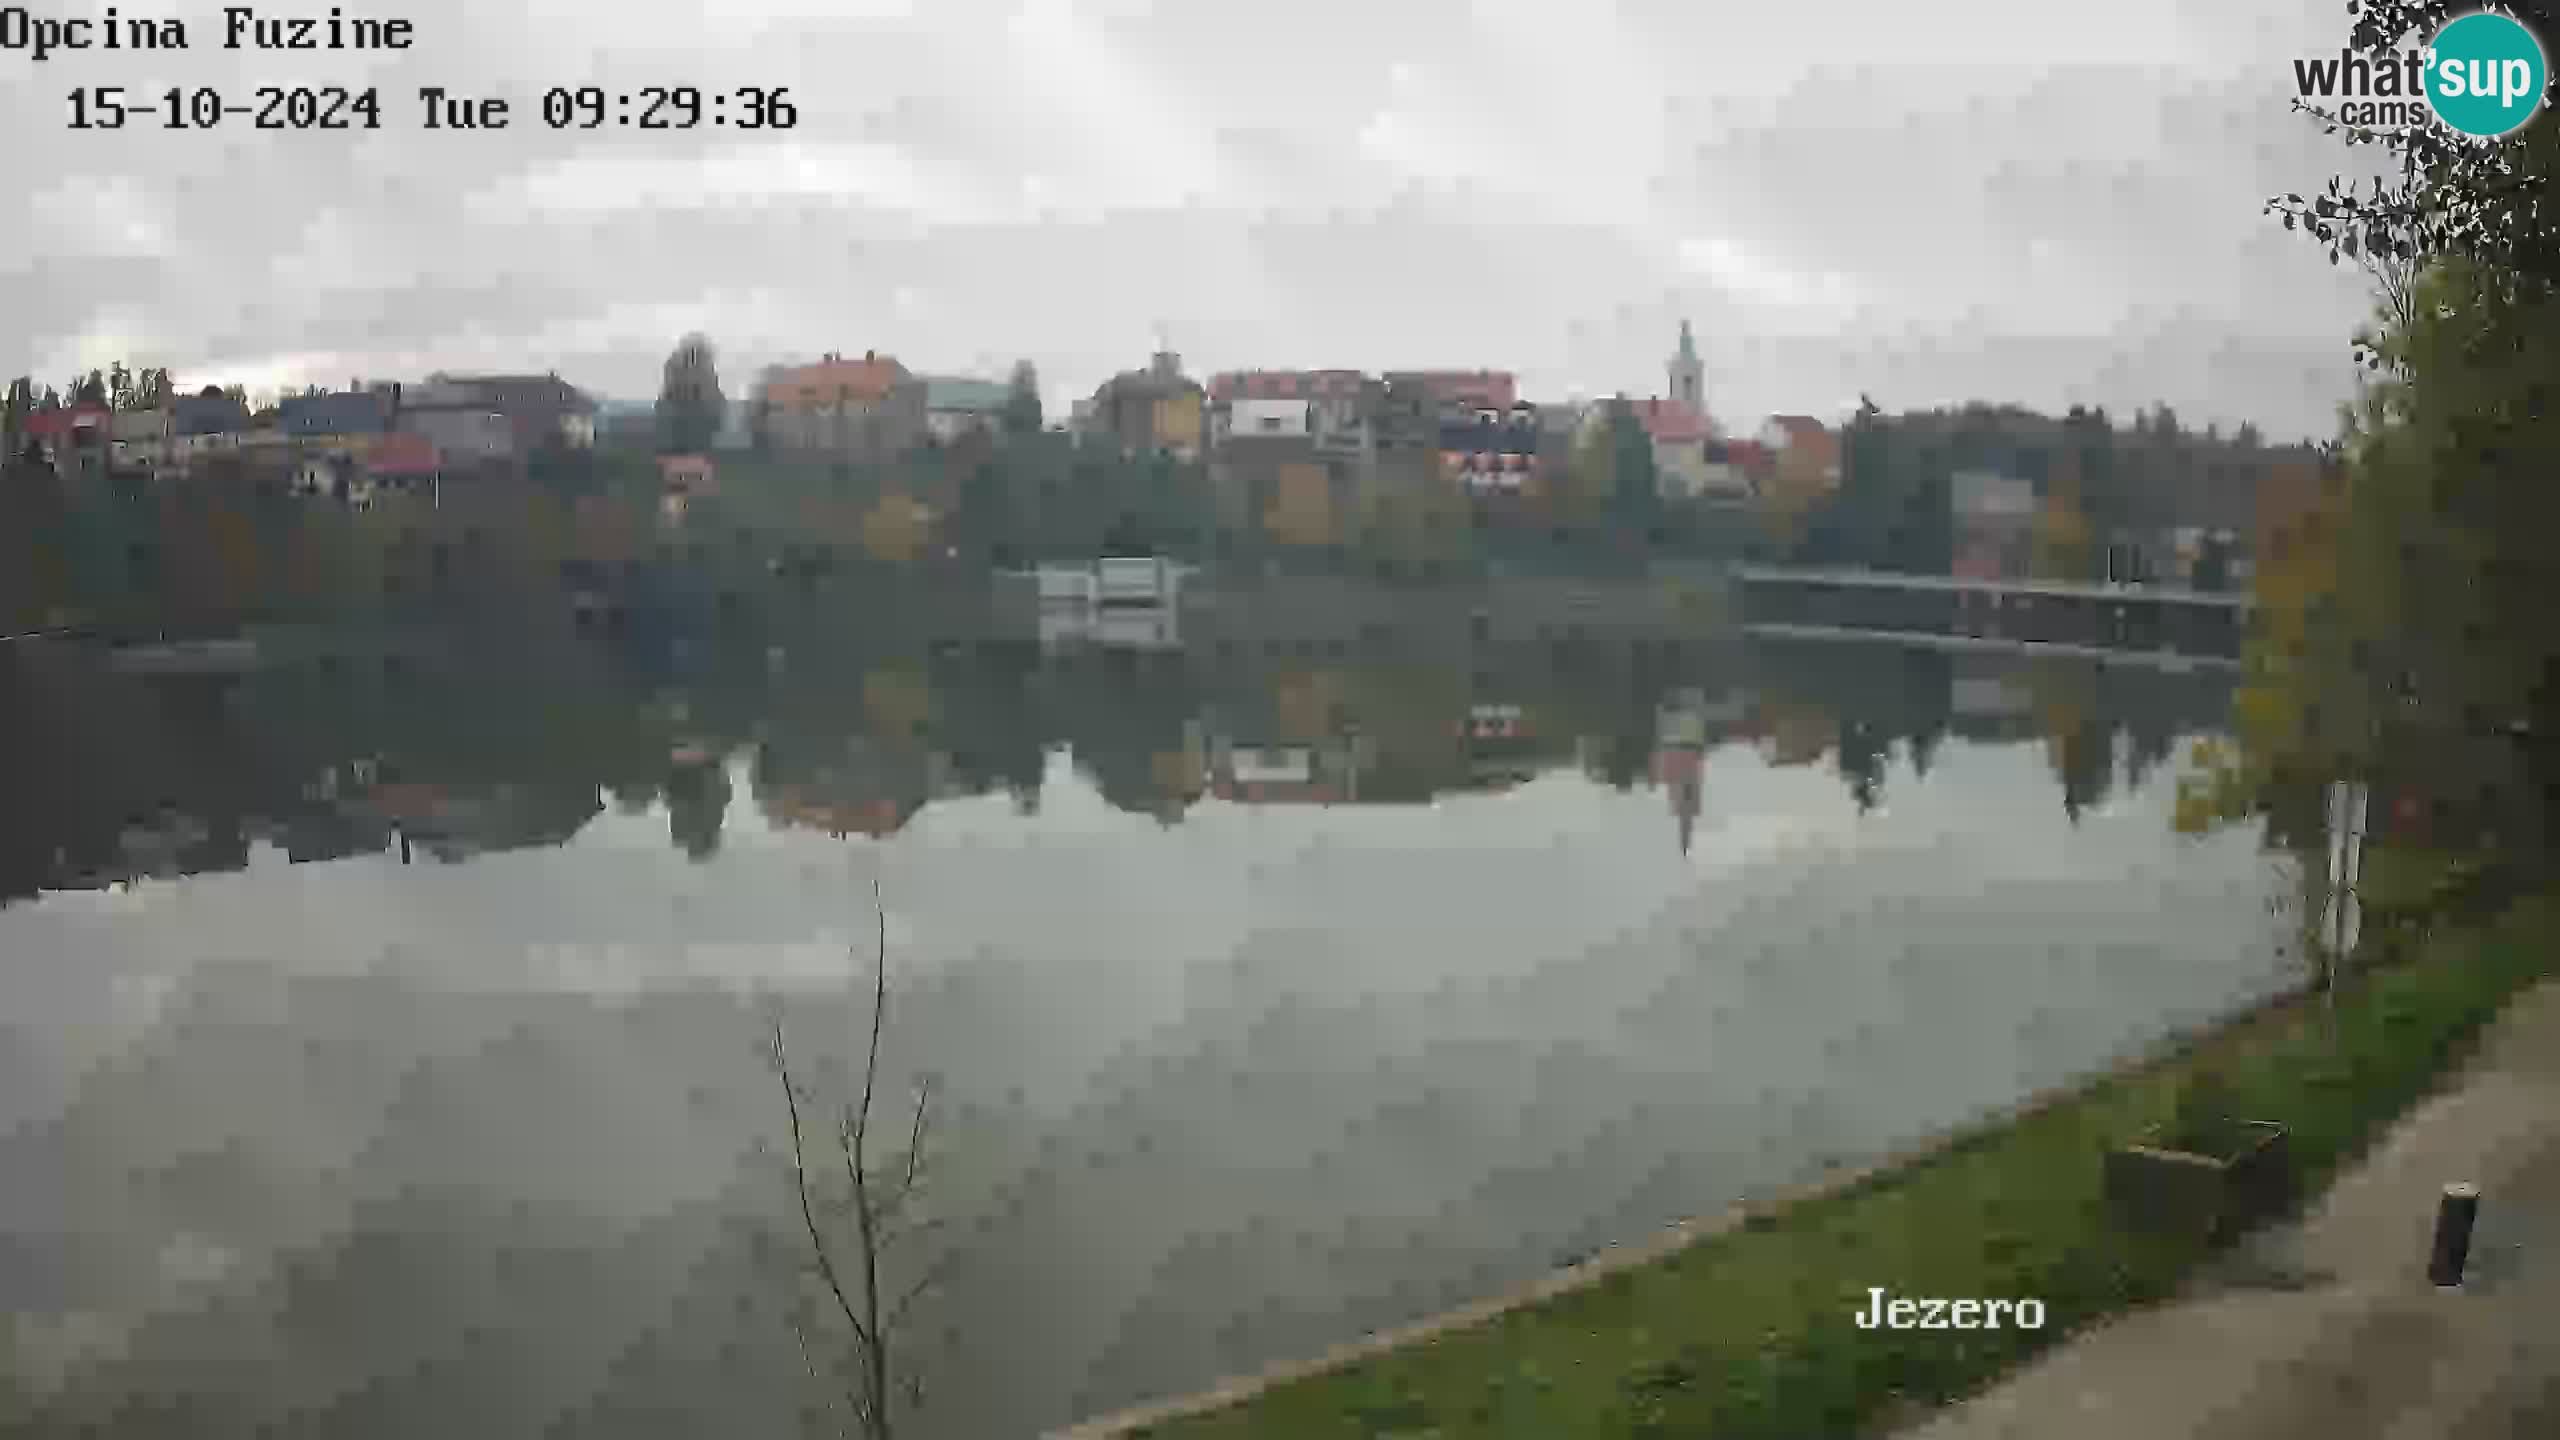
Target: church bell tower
<point x="1688" y="373"/>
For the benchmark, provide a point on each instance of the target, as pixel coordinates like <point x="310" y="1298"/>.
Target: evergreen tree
<point x="691" y="407"/>
<point x="13" y="420"/>
<point x="1635" y="490"/>
<point x="1022" y="401"/>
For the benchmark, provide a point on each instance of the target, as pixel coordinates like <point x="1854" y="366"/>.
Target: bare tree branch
<point x="875" y="1345"/>
<point x="879" y="1010"/>
<point x="879" y="1197"/>
<point x="800" y="1178"/>
<point x="932" y="1275"/>
<point x="808" y="1358"/>
<point x="915" y="1133"/>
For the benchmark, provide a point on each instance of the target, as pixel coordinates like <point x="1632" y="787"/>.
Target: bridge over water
<point x="2196" y="626"/>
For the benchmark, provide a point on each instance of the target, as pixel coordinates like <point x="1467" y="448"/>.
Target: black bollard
<point x="2455" y="1211"/>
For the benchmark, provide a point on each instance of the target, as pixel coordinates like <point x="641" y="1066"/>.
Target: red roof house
<point x="1672" y="422"/>
<point x="686" y="474"/>
<point x="402" y="456"/>
<point x="85" y="422"/>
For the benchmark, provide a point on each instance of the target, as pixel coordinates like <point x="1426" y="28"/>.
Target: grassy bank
<point x="1750" y="1332"/>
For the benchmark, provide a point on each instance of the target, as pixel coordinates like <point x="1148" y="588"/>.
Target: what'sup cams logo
<point x="2481" y="75"/>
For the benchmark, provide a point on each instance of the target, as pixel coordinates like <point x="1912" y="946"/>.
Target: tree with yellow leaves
<point x="897" y="703"/>
<point x="1414" y="531"/>
<point x="2402" y="623"/>
<point x="1302" y="510"/>
<point x="896" y="528"/>
<point x="2064" y="547"/>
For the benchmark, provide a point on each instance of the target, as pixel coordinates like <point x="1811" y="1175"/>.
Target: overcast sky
<point x="1999" y="199"/>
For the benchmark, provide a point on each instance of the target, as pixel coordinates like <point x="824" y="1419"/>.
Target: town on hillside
<point x="1416" y="472"/>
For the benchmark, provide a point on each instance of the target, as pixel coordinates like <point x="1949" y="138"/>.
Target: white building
<point x="1249" y="418"/>
<point x="139" y="440"/>
<point x="1678" y="425"/>
<point x="1989" y="495"/>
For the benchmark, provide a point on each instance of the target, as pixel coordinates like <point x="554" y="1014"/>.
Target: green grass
<point x="1750" y="1333"/>
<point x="2403" y="877"/>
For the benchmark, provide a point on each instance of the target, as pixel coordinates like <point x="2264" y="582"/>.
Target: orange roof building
<point x="836" y="381"/>
<point x="1803" y="445"/>
<point x="873" y="406"/>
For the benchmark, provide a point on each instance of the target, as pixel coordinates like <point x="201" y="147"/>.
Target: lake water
<point x="1269" y="999"/>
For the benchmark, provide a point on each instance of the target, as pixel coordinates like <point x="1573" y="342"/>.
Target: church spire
<point x="1688" y="373"/>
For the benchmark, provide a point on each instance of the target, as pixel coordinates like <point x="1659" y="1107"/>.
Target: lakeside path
<point x="2327" y="1326"/>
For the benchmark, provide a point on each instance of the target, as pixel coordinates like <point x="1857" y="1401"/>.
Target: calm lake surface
<point x="1277" y="989"/>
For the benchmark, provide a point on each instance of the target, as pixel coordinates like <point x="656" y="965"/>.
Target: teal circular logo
<point x="2485" y="74"/>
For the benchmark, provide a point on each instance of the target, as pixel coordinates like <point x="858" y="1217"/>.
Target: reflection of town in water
<point x="1331" y="697"/>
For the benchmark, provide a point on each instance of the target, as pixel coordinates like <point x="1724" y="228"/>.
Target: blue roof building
<point x="193" y="415"/>
<point x="356" y="412"/>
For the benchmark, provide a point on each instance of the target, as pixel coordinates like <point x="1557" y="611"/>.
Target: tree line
<point x="2093" y="482"/>
<point x="2405" y="633"/>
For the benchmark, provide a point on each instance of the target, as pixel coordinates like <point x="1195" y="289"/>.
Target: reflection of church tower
<point x="1680" y="757"/>
<point x="1688" y="373"/>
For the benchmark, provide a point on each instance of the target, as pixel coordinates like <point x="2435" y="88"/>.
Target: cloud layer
<point x="1923" y="203"/>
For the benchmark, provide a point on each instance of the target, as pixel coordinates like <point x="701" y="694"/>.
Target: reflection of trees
<point x="2078" y="738"/>
<point x="1928" y="685"/>
<point x="1853" y="704"/>
<point x="2152" y="717"/>
<point x="987" y="721"/>
<point x="1603" y="690"/>
<point x="1855" y="701"/>
<point x="504" y="750"/>
<point x="1625" y="754"/>
<point x="1118" y="710"/>
<point x="511" y="745"/>
<point x="897" y="704"/>
<point x="1404" y="713"/>
<point x="2083" y="766"/>
<point x="697" y="805"/>
<point x="1865" y="750"/>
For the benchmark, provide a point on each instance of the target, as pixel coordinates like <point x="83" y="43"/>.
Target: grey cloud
<point x="2005" y="223"/>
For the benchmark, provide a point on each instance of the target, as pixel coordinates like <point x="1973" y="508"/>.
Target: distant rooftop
<point x="964" y="392"/>
<point x="360" y="412"/>
<point x="871" y="378"/>
<point x="500" y="392"/>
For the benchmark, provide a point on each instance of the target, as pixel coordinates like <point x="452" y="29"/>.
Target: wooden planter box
<point x="2213" y="1196"/>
